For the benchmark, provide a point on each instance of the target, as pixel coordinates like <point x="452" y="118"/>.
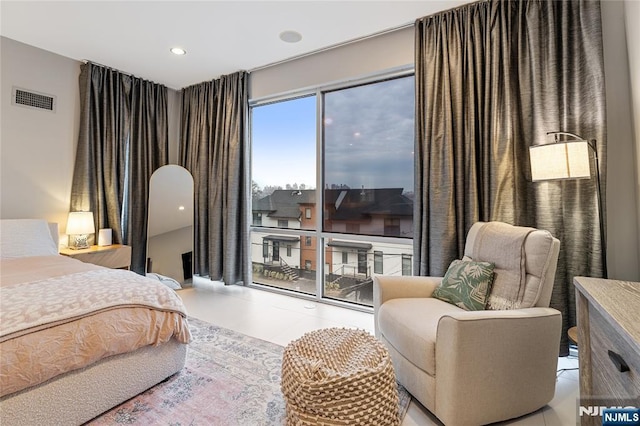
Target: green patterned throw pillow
<point x="466" y="284"/>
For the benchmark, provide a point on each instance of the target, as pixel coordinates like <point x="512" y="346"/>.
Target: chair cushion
<point x="411" y="325"/>
<point x="466" y="284"/>
<point x="537" y="251"/>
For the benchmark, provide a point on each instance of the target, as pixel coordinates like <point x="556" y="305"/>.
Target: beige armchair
<point x="474" y="367"/>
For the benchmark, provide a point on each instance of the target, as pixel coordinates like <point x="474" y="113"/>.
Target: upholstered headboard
<point x="27" y="237"/>
<point x="53" y="229"/>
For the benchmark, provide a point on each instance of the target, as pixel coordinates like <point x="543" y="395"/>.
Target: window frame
<point x="378" y="262"/>
<point x="321" y="236"/>
<point x="407" y="265"/>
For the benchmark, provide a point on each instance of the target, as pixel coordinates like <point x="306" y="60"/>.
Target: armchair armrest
<point x="508" y="353"/>
<point x="387" y="287"/>
<point x="501" y="314"/>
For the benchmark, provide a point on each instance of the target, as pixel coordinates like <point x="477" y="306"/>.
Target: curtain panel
<point x="492" y="78"/>
<point x="214" y="149"/>
<point x="123" y="139"/>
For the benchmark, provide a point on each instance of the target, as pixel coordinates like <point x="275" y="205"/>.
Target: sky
<point x="368" y="132"/>
<point x="284" y="143"/>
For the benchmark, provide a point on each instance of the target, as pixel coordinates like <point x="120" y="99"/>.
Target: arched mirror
<point x="170" y="232"/>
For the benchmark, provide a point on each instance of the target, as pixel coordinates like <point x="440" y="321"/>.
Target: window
<point x="283" y="160"/>
<point x="353" y="228"/>
<point x="283" y="178"/>
<point x="352" y="281"/>
<point x="392" y="227"/>
<point x="377" y="262"/>
<point x="368" y="158"/>
<point x="362" y="262"/>
<point x="406" y="264"/>
<point x="363" y="135"/>
<point x="283" y="223"/>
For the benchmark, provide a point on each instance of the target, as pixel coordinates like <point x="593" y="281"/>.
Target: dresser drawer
<point x="608" y="382"/>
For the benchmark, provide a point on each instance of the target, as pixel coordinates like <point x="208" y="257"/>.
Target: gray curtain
<point x="214" y="149"/>
<point x="492" y="78"/>
<point x="123" y="138"/>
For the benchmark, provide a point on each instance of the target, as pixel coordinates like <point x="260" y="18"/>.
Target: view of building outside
<point x="368" y="190"/>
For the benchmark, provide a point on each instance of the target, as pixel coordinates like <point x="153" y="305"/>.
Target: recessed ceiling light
<point x="178" y="51"/>
<point x="181" y="208"/>
<point x="290" y="36"/>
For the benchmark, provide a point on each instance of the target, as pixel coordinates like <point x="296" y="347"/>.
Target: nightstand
<point x="116" y="256"/>
<point x="609" y="339"/>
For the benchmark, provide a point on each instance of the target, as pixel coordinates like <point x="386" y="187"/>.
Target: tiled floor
<point x="278" y="318"/>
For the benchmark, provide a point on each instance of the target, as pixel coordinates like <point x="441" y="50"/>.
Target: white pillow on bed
<point x="26" y="237"/>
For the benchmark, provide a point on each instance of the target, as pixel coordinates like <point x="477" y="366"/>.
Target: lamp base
<point x="80" y="241"/>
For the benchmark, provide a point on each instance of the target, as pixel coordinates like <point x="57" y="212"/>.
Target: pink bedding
<point x="58" y="314"/>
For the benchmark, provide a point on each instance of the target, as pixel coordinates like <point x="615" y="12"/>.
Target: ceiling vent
<point x="31" y="99"/>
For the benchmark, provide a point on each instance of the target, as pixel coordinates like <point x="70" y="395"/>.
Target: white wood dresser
<point x="608" y="344"/>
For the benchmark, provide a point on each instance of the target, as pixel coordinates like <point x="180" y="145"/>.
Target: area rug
<point x="229" y="379"/>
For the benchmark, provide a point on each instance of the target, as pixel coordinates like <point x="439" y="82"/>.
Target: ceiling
<point x="220" y="37"/>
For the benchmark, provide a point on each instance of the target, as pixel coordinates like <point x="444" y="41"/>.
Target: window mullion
<point x="320" y="258"/>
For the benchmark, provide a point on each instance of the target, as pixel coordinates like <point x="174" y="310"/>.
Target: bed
<point x="78" y="339"/>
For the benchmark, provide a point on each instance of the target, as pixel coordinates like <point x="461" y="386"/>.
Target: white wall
<point x="623" y="249"/>
<point x="37" y="147"/>
<point x="351" y="61"/>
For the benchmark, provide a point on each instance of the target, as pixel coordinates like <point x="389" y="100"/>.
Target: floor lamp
<point x="569" y="159"/>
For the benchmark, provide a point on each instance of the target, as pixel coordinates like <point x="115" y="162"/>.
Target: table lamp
<point x="79" y="226"/>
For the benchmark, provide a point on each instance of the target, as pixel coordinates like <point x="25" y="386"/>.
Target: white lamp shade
<point x="562" y="160"/>
<point x="80" y="223"/>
